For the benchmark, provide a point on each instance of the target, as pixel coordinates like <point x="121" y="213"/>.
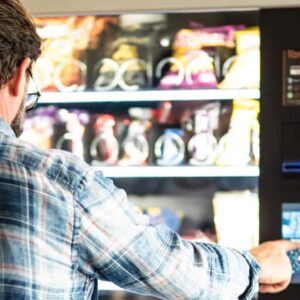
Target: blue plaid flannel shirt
<point x="64" y="226"/>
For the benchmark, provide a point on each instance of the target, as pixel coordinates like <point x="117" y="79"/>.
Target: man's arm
<point x="117" y="244"/>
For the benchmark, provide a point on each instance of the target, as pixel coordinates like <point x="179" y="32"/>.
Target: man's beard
<point x="18" y="121"/>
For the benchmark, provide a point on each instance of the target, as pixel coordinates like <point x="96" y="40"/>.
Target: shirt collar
<point x="5" y="128"/>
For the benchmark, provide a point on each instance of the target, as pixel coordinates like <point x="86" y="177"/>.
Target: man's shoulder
<point x="60" y="166"/>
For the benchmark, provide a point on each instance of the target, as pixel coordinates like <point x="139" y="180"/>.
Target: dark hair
<point x="18" y="38"/>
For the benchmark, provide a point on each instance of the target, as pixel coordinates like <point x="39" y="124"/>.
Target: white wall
<point x="114" y="6"/>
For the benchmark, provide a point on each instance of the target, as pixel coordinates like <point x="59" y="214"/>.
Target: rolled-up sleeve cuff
<point x="253" y="287"/>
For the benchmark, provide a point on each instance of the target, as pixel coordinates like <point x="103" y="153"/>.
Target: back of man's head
<point x="18" y="38"/>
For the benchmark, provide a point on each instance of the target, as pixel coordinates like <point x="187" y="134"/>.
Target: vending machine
<point x="280" y="132"/>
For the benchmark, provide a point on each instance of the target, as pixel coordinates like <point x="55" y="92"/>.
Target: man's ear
<point x="18" y="82"/>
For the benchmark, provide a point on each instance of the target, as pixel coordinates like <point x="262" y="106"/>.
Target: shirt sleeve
<point x="118" y="244"/>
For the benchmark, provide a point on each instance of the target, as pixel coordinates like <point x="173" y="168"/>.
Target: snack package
<point x="128" y="63"/>
<point x="192" y="64"/>
<point x="247" y="40"/>
<point x="38" y="127"/>
<point x="194" y="69"/>
<point x="234" y="147"/>
<point x="170" y="148"/>
<point x="243" y="70"/>
<point x="135" y="146"/>
<point x="72" y="139"/>
<point x="200" y="37"/>
<point x="62" y="66"/>
<point x="202" y="145"/>
<point x="236" y="216"/>
<point x="125" y="70"/>
<point x="104" y="148"/>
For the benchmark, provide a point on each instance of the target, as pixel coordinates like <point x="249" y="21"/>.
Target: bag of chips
<point x="243" y="69"/>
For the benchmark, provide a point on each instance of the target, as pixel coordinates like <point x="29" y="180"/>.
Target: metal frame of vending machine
<point x="279" y="186"/>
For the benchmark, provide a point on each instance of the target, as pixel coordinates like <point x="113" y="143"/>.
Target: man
<point x="64" y="226"/>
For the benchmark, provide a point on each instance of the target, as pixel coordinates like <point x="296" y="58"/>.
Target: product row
<point x="133" y="52"/>
<point x="178" y="133"/>
<point x="229" y="209"/>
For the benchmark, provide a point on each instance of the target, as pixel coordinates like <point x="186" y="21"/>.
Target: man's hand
<point x="276" y="270"/>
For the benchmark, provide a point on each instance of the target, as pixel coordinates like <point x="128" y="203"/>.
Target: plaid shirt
<point x="64" y="226"/>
